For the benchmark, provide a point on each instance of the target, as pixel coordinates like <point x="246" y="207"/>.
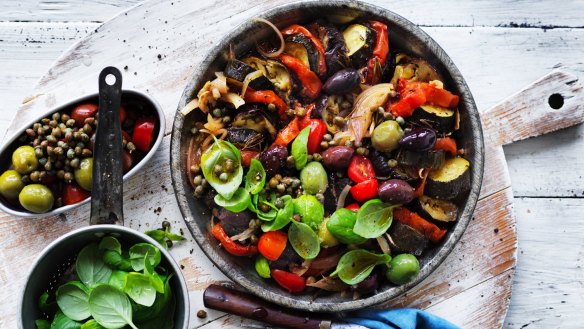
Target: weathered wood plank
<point x="526" y="13"/>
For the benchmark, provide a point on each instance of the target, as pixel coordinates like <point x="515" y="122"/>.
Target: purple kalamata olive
<point x="273" y="159"/>
<point x="419" y="139"/>
<point x="234" y="223"/>
<point x="379" y="162"/>
<point x="368" y="285"/>
<point x="337" y="157"/>
<point x="342" y="82"/>
<point x="396" y="191"/>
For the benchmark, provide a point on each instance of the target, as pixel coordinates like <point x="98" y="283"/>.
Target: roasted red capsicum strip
<point x="447" y="144"/>
<point x="143" y="133"/>
<point x="409" y="218"/>
<point x="317" y="131"/>
<point x="267" y="97"/>
<point x="311" y="84"/>
<point x="287" y="135"/>
<point x="289" y="281"/>
<point x="298" y="29"/>
<point x="414" y="94"/>
<point x="380" y="52"/>
<point x="231" y="246"/>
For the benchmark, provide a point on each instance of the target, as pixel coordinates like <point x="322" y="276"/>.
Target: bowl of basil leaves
<point x="105" y="276"/>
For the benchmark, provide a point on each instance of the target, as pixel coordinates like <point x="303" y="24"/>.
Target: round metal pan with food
<point x="330" y="161"/>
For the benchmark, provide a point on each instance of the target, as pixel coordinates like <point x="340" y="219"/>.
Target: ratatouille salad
<point x="329" y="158"/>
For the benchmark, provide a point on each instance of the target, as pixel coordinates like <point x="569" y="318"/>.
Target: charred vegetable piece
<point x="427" y="159"/>
<point x="335" y="49"/>
<point x="439" y="118"/>
<point x="377" y="62"/>
<point x="437" y="210"/>
<point x="309" y="41"/>
<point x="360" y="41"/>
<point x="238" y="70"/>
<point x="302" y="48"/>
<point x="380" y="163"/>
<point x="403" y="238"/>
<point x="413" y="69"/>
<point x="273" y="70"/>
<point x="410" y="218"/>
<point x="254" y="118"/>
<point x="449" y="181"/>
<point x="329" y="108"/>
<point x="311" y="84"/>
<point x="244" y="138"/>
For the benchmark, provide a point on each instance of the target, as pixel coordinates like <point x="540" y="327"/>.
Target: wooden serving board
<point x="157" y="44"/>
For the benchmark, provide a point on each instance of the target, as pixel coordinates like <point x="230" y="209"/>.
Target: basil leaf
<point x="311" y="211"/>
<point x="143" y="314"/>
<point x="157" y="235"/>
<point x="341" y="224"/>
<point x="61" y="321"/>
<point x="155" y="280"/>
<point x="238" y="202"/>
<point x="47" y="303"/>
<point x="91" y="268"/>
<point x="218" y="154"/>
<point x="110" y="307"/>
<point x="373" y="218"/>
<point x="303" y="240"/>
<point x="44" y="324"/>
<point x="255" y="180"/>
<point x="161" y="316"/>
<point x="283" y="216"/>
<point x="112" y="258"/>
<point x="356" y="265"/>
<point x="266" y="216"/>
<point x="117" y="279"/>
<point x="139" y="251"/>
<point x="138" y="287"/>
<point x="110" y="243"/>
<point x="91" y="324"/>
<point x="72" y="300"/>
<point x="299" y="148"/>
<point x="172" y="236"/>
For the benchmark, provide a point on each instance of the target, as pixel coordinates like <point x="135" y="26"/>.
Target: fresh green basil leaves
<point x="373" y="218"/>
<point x="300" y="149"/>
<point x="356" y="265"/>
<point x="221" y="166"/>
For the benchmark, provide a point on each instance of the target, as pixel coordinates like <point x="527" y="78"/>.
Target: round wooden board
<point x="156" y="45"/>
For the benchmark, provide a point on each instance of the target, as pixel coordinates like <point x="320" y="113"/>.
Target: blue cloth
<point x="403" y="318"/>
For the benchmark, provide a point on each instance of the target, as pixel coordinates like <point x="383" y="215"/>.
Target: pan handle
<point x="106" y="194"/>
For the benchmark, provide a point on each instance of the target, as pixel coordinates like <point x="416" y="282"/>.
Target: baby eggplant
<point x="337" y="157"/>
<point x="396" y="191"/>
<point x="419" y="139"/>
<point x="342" y="82"/>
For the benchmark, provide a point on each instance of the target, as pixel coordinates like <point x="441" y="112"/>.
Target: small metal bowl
<point x="56" y="257"/>
<point x="403" y="35"/>
<point x="150" y="104"/>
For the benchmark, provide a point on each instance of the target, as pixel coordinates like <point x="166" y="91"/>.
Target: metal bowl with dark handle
<point x="403" y="35"/>
<point x="106" y="210"/>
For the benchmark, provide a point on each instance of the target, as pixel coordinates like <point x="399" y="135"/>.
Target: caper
<point x="51" y="139"/>
<point x="26" y="179"/>
<point x="70" y="153"/>
<point x="361" y="150"/>
<point x="38" y="152"/>
<point x="42" y="161"/>
<point x="53" y="124"/>
<point x="68" y="177"/>
<point x="58" y="150"/>
<point x="226" y="119"/>
<point x="388" y="116"/>
<point x="320" y="197"/>
<point x="78" y="150"/>
<point x="197" y="180"/>
<point x="345" y="105"/>
<point x="229" y="165"/>
<point x="273" y="182"/>
<point x="400" y="120"/>
<point x="264" y="207"/>
<point x="35" y="175"/>
<point x="295" y="182"/>
<point x="290" y="112"/>
<point x="332" y="143"/>
<point x="217" y="112"/>
<point x="56" y="116"/>
<point x="327" y="137"/>
<point x="223" y="177"/>
<point x="36" y="142"/>
<point x="253" y="239"/>
<point x="76" y="134"/>
<point x="279" y="203"/>
<point x="310" y="280"/>
<point x="86" y="153"/>
<point x="339" y="121"/>
<point x="204" y="182"/>
<point x="48" y="165"/>
<point x="50" y="150"/>
<point x="62" y="126"/>
<point x="300" y="112"/>
<point x="380" y="110"/>
<point x="61" y="174"/>
<point x="165" y="224"/>
<point x="290" y="161"/>
<point x="195" y="168"/>
<point x="85" y="137"/>
<point x="30" y="132"/>
<point x="324" y="145"/>
<point x="281" y="188"/>
<point x="349" y="143"/>
<point x="87" y="128"/>
<point x="199" y="189"/>
<point x="271" y="107"/>
<point x="194" y="130"/>
<point x="131" y="147"/>
<point x="44" y="144"/>
<point x="309" y="158"/>
<point x="62" y="144"/>
<point x="317" y="157"/>
<point x="90" y="120"/>
<point x="70" y="123"/>
<point x="218" y="169"/>
<point x="36" y="126"/>
<point x="287" y="180"/>
<point x="392" y="163"/>
<point x="278" y="177"/>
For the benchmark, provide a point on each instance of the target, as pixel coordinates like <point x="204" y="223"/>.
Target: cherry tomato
<point x="366" y="190"/>
<point x="353" y="207"/>
<point x="82" y="112"/>
<point x="361" y="169"/>
<point x="247" y="155"/>
<point x="127" y="161"/>
<point x="143" y="133"/>
<point x="272" y="244"/>
<point x="317" y="131"/>
<point x="73" y="193"/>
<point x="289" y="281"/>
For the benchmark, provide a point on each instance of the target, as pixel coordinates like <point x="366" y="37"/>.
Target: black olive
<point x="274" y="159"/>
<point x="419" y="139"/>
<point x="342" y="82"/>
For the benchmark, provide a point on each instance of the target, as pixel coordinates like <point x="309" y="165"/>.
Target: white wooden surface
<point x="496" y="58"/>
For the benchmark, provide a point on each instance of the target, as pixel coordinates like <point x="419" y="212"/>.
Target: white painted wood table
<point x="500" y="46"/>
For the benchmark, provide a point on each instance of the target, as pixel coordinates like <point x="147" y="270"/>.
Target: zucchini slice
<point x="440" y="119"/>
<point x="238" y="70"/>
<point x="428" y="159"/>
<point x="403" y="238"/>
<point x="413" y="69"/>
<point x="302" y="48"/>
<point x="360" y="41"/>
<point x="449" y="181"/>
<point x="442" y="211"/>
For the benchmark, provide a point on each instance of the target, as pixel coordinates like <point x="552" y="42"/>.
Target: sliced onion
<point x="343" y="196"/>
<point x="220" y="83"/>
<point x="245" y="234"/>
<point x="249" y="78"/>
<point x="278" y="33"/>
<point x="300" y="269"/>
<point x="362" y="114"/>
<point x="384" y="245"/>
<point x="329" y="284"/>
<point x="233" y="98"/>
<point x="190" y="107"/>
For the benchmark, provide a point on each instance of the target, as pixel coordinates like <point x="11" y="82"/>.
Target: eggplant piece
<point x="438" y="118"/>
<point x="403" y="238"/>
<point x="407" y="173"/>
<point x="449" y="181"/>
<point x="413" y="69"/>
<point x="360" y="41"/>
<point x="244" y="138"/>
<point x="331" y="194"/>
<point x="442" y="211"/>
<point x="426" y="159"/>
<point x="238" y="70"/>
<point x="234" y="223"/>
<point x="288" y="258"/>
<point x="329" y="109"/>
<point x="275" y="71"/>
<point x="255" y="118"/>
<point x="379" y="162"/>
<point x="301" y="47"/>
<point x="335" y="51"/>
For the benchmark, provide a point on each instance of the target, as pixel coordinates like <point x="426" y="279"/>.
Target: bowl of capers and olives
<point x="46" y="168"/>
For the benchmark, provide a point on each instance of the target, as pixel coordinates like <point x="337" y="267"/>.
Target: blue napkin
<point x="403" y="318"/>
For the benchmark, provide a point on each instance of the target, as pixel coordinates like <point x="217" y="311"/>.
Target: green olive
<point x="324" y="235"/>
<point x="83" y="174"/>
<point x="10" y="184"/>
<point x="313" y="178"/>
<point x="385" y="137"/>
<point x="262" y="267"/>
<point x="403" y="268"/>
<point x="24" y="159"/>
<point x="36" y="198"/>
